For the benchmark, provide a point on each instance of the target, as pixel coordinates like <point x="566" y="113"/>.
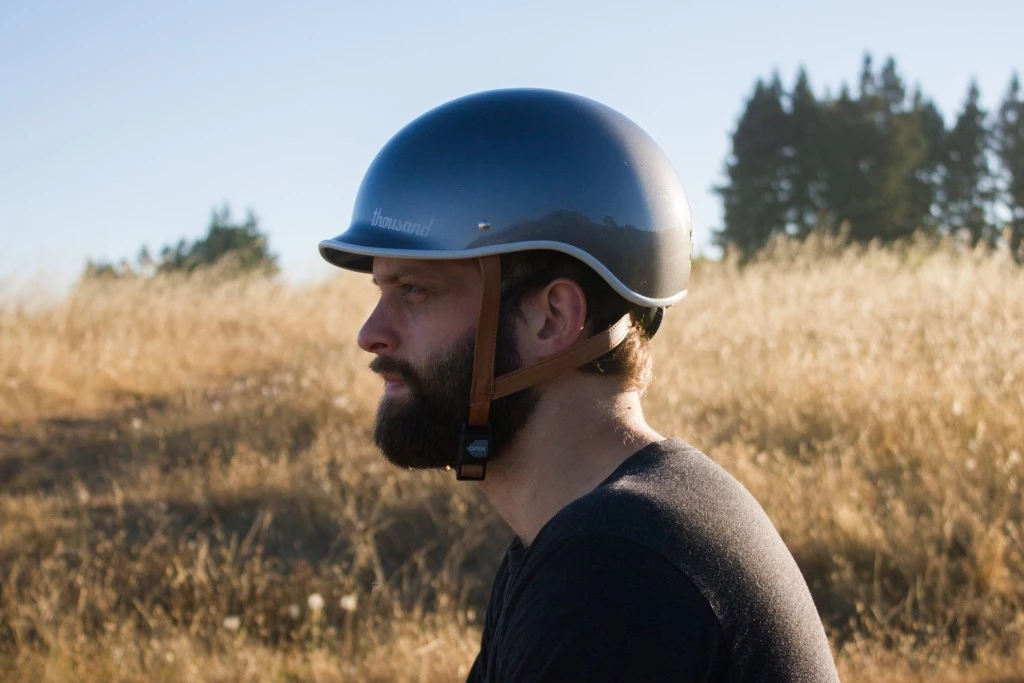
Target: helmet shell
<point x="521" y="169"/>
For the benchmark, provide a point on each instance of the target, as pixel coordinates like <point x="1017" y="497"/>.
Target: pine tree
<point x="1009" y="136"/>
<point x="753" y="197"/>
<point x="967" y="181"/>
<point x="868" y="87"/>
<point x="900" y="148"/>
<point x="925" y="177"/>
<point x="874" y="149"/>
<point x="891" y="90"/>
<point x="804" y="174"/>
<point x="848" y="158"/>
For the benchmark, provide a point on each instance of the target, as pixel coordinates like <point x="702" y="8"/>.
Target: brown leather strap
<point x="570" y="359"/>
<point x="482" y="390"/>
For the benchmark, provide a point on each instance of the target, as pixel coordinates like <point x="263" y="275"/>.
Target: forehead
<point x="389" y="269"/>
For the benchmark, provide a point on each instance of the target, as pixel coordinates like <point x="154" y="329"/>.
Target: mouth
<point x="393" y="384"/>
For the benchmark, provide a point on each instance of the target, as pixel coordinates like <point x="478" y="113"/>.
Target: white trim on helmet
<point x="453" y="254"/>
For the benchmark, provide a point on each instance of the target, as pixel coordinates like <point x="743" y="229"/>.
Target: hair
<point x="527" y="272"/>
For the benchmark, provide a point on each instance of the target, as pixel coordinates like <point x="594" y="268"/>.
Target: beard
<point x="420" y="430"/>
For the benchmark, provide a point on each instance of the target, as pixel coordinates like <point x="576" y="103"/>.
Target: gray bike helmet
<point x="511" y="170"/>
<point x="523" y="169"/>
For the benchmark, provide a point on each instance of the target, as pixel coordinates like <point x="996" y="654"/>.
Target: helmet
<point x="524" y="169"/>
<point x="512" y="170"/>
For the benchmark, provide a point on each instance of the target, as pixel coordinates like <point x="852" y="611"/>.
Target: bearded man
<point x="526" y="244"/>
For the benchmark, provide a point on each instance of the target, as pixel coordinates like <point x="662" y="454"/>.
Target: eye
<point x="410" y="291"/>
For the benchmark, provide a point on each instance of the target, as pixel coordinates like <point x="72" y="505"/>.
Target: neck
<point x="565" y="451"/>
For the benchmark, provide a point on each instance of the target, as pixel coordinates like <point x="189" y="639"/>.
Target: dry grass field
<point x="188" y="490"/>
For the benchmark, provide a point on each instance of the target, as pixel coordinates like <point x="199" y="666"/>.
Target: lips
<point x="395" y="373"/>
<point x="393" y="382"/>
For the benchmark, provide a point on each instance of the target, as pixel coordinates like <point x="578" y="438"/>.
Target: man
<point x="526" y="244"/>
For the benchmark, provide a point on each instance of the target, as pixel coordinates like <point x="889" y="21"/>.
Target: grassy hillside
<point x="188" y="490"/>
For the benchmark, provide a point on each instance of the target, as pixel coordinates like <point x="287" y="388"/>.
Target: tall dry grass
<point x="184" y="463"/>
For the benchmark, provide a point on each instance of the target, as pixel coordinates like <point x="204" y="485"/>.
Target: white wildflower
<point x="294" y="611"/>
<point x="315" y="602"/>
<point x="233" y="623"/>
<point x="349" y="602"/>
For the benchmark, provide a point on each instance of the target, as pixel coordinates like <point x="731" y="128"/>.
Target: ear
<point x="554" y="317"/>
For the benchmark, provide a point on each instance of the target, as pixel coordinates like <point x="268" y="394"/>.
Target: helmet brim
<point x="359" y="257"/>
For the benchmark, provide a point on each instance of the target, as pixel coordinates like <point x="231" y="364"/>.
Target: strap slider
<point x="475" y="446"/>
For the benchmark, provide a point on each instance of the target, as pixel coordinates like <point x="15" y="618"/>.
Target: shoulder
<point x="672" y="517"/>
<point x="671" y="498"/>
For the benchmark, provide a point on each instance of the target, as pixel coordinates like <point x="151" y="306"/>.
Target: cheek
<point x="452" y="323"/>
<point x="432" y="327"/>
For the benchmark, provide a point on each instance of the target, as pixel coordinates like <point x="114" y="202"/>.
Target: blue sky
<point x="125" y="123"/>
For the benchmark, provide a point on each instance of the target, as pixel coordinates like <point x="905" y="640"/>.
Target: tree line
<point x="233" y="247"/>
<point x="880" y="163"/>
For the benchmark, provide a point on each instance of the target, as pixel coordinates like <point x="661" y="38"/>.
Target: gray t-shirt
<point x="667" y="571"/>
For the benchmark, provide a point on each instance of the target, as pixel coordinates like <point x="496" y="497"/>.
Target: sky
<point x="125" y="124"/>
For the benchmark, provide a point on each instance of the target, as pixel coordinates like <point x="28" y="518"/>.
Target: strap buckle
<point x="475" y="446"/>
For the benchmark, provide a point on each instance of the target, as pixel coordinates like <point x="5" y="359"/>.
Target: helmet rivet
<point x="484" y="225"/>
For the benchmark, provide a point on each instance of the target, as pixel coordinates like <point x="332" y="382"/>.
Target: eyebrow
<point x="403" y="272"/>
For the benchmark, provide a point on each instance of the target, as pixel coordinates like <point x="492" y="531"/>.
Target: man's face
<point x="423" y="332"/>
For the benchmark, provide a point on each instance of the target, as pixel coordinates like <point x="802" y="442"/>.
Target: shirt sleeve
<point x="600" y="608"/>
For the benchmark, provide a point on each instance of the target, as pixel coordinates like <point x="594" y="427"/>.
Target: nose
<point x="377" y="335"/>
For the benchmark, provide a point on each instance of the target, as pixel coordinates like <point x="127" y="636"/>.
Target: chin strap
<point x="475" y="438"/>
<point x="475" y="441"/>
